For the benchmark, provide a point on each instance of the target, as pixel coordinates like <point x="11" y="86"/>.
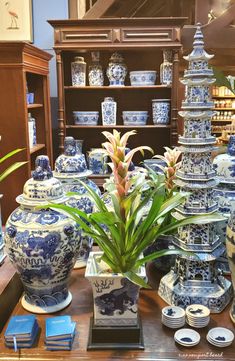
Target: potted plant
<point x="123" y="233"/>
<point x="4" y="175"/>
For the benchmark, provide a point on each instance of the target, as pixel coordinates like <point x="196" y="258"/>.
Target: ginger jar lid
<point x="42" y="188"/>
<point x="71" y="164"/>
<point x="117" y="58"/>
<point x="224" y="164"/>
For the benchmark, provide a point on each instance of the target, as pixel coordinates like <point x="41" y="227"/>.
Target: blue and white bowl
<point x="85" y="117"/>
<point x="143" y="77"/>
<point x="135" y="117"/>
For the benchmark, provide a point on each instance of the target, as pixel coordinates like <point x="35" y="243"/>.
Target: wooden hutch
<point x="22" y="65"/>
<point x="141" y="42"/>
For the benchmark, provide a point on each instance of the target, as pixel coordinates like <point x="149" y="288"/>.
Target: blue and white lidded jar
<point x="81" y="198"/>
<point x="109" y="111"/>
<point x="78" y="70"/>
<point x="95" y="72"/>
<point x="161" y="111"/>
<point x="166" y="68"/>
<point x="42" y="243"/>
<point x="117" y="70"/>
<point x="97" y="161"/>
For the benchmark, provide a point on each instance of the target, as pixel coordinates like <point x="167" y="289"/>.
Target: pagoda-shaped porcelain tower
<point x="196" y="279"/>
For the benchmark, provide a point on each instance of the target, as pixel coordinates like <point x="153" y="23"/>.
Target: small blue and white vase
<point x="166" y="68"/>
<point x="81" y="200"/>
<point x="95" y="73"/>
<point x="109" y="111"/>
<point x="78" y="71"/>
<point x="230" y="246"/>
<point x="117" y="70"/>
<point x="161" y="111"/>
<point x="42" y="243"/>
<point x="97" y="161"/>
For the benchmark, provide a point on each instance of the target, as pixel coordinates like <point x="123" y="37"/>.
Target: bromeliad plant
<point x="12" y="167"/>
<point x="125" y="231"/>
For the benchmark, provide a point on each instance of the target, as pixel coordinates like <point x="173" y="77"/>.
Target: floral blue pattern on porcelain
<point x="117" y="70"/>
<point x="42" y="244"/>
<point x="109" y="111"/>
<point x="161" y="111"/>
<point x="97" y="161"/>
<point x="85" y="117"/>
<point x="78" y="71"/>
<point x="224" y="164"/>
<point x="135" y="117"/>
<point x="143" y="77"/>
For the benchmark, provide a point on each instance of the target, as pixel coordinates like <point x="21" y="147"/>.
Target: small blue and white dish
<point x="187" y="337"/>
<point x="85" y="117"/>
<point x="135" y="117"/>
<point x="220" y="337"/>
<point x="143" y="77"/>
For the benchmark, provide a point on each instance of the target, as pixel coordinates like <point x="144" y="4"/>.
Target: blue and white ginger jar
<point x="42" y="243"/>
<point x="117" y="70"/>
<point x="82" y="199"/>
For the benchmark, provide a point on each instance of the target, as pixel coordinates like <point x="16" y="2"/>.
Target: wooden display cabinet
<point x="21" y="65"/>
<point x="141" y="42"/>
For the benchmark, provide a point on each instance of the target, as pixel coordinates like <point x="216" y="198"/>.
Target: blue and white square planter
<point x="115" y="297"/>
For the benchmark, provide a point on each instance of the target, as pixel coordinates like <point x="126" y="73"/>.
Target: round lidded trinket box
<point x="42" y="243"/>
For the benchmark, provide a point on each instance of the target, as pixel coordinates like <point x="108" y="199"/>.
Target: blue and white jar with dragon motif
<point x="117" y="70"/>
<point x="109" y="111"/>
<point x="81" y="199"/>
<point x="42" y="243"/>
<point x="115" y="298"/>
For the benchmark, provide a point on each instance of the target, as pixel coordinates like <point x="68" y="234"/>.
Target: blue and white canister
<point x="42" y="243"/>
<point x="117" y="70"/>
<point x="161" y="111"/>
<point x="109" y="111"/>
<point x="78" y="71"/>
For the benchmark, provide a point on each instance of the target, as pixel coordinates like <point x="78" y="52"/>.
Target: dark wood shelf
<point x="36" y="148"/>
<point x="105" y="87"/>
<point x="34" y="106"/>
<point x="116" y="126"/>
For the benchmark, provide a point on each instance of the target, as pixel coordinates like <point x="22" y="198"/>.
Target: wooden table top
<point x="158" y="339"/>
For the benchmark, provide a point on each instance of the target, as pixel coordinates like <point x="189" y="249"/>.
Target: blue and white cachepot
<point x="230" y="246"/>
<point x="42" y="243"/>
<point x="161" y="111"/>
<point x="115" y="297"/>
<point x="117" y="70"/>
<point x="97" y="161"/>
<point x="109" y="111"/>
<point x="81" y="199"/>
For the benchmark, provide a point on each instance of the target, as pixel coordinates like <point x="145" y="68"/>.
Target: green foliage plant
<point x="125" y="231"/>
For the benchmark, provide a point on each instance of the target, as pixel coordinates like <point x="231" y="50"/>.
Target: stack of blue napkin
<point x="21" y="331"/>
<point x="60" y="332"/>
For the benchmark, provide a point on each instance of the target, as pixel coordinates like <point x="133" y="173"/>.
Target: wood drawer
<point x="83" y="36"/>
<point x="149" y="35"/>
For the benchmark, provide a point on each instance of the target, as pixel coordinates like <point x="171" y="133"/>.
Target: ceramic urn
<point x="71" y="170"/>
<point x="42" y="243"/>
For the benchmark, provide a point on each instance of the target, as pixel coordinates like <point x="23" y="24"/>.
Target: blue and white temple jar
<point x="230" y="246"/>
<point x="117" y="70"/>
<point x="109" y="111"/>
<point x="161" y="111"/>
<point x="97" y="161"/>
<point x="78" y="71"/>
<point x="42" y="243"/>
<point x="81" y="200"/>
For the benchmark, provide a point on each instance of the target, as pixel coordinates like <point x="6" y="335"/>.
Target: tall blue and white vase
<point x="195" y="278"/>
<point x="95" y="73"/>
<point x="224" y="165"/>
<point x="109" y="111"/>
<point x="166" y="68"/>
<point x="71" y="170"/>
<point x="42" y="243"/>
<point x="2" y="255"/>
<point x="117" y="70"/>
<point x="230" y="246"/>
